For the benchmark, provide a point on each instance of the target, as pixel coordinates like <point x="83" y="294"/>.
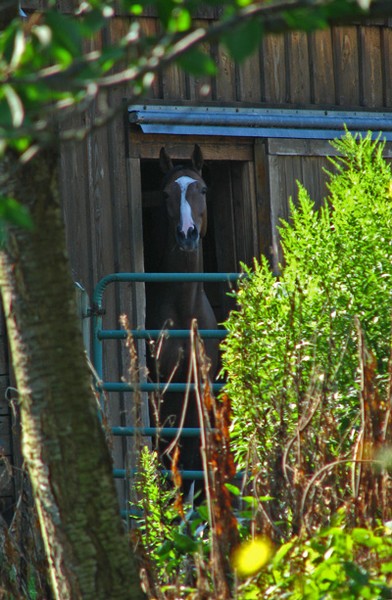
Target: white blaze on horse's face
<point x="186" y="220"/>
<point x="186" y="205"/>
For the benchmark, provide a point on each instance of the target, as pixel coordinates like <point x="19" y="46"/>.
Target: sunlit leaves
<point x="67" y="37"/>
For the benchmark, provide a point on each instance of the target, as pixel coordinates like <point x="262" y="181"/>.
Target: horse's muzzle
<point x="190" y="241"/>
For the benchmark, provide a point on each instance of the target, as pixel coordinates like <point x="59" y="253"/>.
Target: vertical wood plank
<point x="248" y="79"/>
<point x="149" y="27"/>
<point x="200" y="87"/>
<point x="221" y="204"/>
<point x="346" y="66"/>
<point x="263" y="200"/>
<point x="274" y="68"/>
<point x="242" y="229"/>
<point x="224" y="83"/>
<point x="278" y="201"/>
<point x="244" y="212"/>
<point x="371" y="67"/>
<point x="137" y="264"/>
<point x="386" y="41"/>
<point x="298" y="68"/>
<point x="174" y="83"/>
<point x="249" y="190"/>
<point x="75" y="205"/>
<point x="321" y="65"/>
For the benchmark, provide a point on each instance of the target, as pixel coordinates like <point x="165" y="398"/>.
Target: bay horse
<point x="173" y="304"/>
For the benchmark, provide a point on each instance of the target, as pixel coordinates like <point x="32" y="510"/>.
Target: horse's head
<point x="184" y="192"/>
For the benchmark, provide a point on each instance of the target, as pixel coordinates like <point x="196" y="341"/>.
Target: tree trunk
<point x="63" y="443"/>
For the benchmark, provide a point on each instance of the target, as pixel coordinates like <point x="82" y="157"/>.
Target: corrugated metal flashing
<point x="258" y="122"/>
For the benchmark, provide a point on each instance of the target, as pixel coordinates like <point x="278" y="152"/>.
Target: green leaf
<point x="180" y="20"/>
<point x="165" y="10"/>
<point x="281" y="553"/>
<point x="203" y="512"/>
<point x="165" y="549"/>
<point x="67" y="33"/>
<point x="92" y="22"/>
<point x="13" y="212"/>
<point x="184" y="542"/>
<point x="366" y="537"/>
<point x="305" y="20"/>
<point x="244" y="40"/>
<point x="386" y="568"/>
<point x="197" y="62"/>
<point x="233" y="489"/>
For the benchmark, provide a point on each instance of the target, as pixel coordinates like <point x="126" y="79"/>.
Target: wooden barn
<point x="261" y="125"/>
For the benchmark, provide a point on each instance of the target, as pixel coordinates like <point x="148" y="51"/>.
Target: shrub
<point x="306" y="349"/>
<point x="336" y="562"/>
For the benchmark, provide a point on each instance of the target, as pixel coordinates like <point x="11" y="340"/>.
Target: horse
<point x="174" y="304"/>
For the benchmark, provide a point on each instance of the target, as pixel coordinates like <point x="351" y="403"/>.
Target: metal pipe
<point x="169" y="432"/>
<point x="193" y="475"/>
<point x="123" y="473"/>
<point x="117" y="386"/>
<point x="97" y="297"/>
<point x="154" y="334"/>
<point x="161" y="277"/>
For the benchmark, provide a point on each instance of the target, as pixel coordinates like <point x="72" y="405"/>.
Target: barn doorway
<point x="230" y="234"/>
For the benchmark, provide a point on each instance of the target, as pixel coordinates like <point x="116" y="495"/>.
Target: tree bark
<point x="63" y="443"/>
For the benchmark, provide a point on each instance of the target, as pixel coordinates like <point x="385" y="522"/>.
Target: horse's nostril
<point x="180" y="233"/>
<point x="192" y="233"/>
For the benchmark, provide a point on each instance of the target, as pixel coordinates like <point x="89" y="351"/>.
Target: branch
<point x="167" y="49"/>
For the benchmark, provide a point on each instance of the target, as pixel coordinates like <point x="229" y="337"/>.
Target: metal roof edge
<point x="258" y="122"/>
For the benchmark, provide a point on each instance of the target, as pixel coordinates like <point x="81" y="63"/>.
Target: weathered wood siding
<point x="341" y="67"/>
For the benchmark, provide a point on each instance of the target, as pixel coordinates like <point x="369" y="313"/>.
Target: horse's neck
<point x="186" y="295"/>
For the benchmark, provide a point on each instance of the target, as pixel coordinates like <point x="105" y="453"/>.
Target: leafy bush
<point x="303" y="347"/>
<point x="335" y="563"/>
<point x="166" y="541"/>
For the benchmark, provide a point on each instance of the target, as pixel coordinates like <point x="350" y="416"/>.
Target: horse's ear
<point x="165" y="161"/>
<point x="197" y="158"/>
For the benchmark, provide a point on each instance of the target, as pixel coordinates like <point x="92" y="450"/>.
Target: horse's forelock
<point x="167" y="176"/>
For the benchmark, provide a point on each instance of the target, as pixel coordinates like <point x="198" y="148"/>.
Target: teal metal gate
<point x="100" y="335"/>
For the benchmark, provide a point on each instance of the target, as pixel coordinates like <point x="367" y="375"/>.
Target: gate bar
<point x="117" y="386"/>
<point x="141" y="278"/>
<point x="154" y="334"/>
<point x="170" y="432"/>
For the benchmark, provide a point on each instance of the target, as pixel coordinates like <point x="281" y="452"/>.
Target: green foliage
<point x="291" y="355"/>
<point x="11" y="212"/>
<point x="170" y="543"/>
<point x="334" y="563"/>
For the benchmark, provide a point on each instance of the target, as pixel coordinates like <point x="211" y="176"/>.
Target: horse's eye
<point x="204" y="190"/>
<point x="165" y="195"/>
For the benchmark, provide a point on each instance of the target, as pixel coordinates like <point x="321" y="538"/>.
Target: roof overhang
<point x="258" y="122"/>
